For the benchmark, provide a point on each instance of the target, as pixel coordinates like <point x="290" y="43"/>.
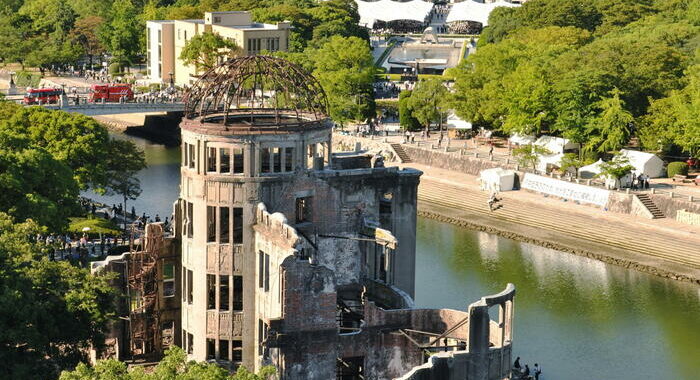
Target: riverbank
<point x="664" y="248"/>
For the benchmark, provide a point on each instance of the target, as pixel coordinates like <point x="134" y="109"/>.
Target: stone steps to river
<point x="401" y="153"/>
<point x="651" y="206"/>
<point x="579" y="226"/>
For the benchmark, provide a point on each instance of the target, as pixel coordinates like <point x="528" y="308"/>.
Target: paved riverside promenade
<point x="660" y="246"/>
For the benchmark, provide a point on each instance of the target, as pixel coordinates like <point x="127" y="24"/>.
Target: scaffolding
<point x="144" y="305"/>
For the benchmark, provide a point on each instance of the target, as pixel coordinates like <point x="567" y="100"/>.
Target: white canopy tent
<point x="387" y="10"/>
<point x="497" y="179"/>
<point x="518" y="139"/>
<point x="454" y="121"/>
<point x="549" y="160"/>
<point x="590" y="171"/>
<point x="556" y="145"/>
<point x="472" y="11"/>
<point x="646" y="163"/>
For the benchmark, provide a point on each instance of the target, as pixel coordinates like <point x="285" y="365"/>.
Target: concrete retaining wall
<point x="450" y="161"/>
<point x="670" y="207"/>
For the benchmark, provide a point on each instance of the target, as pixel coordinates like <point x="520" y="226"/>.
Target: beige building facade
<point x="167" y="38"/>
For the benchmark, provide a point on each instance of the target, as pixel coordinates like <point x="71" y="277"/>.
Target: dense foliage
<point x="42" y="33"/>
<point x="597" y="72"/>
<point x="174" y="366"/>
<point x="46" y="157"/>
<point x="51" y="311"/>
<point x="204" y="51"/>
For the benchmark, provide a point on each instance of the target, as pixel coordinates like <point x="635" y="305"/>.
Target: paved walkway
<point x="675" y="245"/>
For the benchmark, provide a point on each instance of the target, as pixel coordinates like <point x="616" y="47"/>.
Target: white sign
<point x="565" y="189"/>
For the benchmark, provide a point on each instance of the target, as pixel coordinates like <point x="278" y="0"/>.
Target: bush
<point x="115" y="69"/>
<point x="675" y="168"/>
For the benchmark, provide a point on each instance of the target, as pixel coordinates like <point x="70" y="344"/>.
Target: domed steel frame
<point x="257" y="93"/>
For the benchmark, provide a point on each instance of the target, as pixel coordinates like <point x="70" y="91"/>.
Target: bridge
<point x="95" y="109"/>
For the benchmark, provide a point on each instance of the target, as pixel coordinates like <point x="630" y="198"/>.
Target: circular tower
<point x="248" y="122"/>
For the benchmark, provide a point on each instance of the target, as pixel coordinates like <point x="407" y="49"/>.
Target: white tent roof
<point x="590" y="171"/>
<point x="472" y="11"/>
<point x="454" y="121"/>
<point x="554" y="159"/>
<point x="643" y="162"/>
<point x="387" y="10"/>
<point x="555" y="144"/>
<point x="519" y="139"/>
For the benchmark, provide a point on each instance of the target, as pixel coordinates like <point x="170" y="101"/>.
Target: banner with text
<point x="565" y="189"/>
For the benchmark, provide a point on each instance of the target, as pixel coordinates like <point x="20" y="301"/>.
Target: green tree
<point x="406" y="119"/>
<point x="205" y="50"/>
<point x="173" y="366"/>
<point x="52" y="311"/>
<point x="675" y="119"/>
<point x="125" y="160"/>
<point x="428" y="102"/>
<point x="85" y="33"/>
<point x="35" y="185"/>
<point x="121" y="33"/>
<point x="76" y="140"/>
<point x="345" y="69"/>
<point x="611" y="129"/>
<point x="529" y="155"/>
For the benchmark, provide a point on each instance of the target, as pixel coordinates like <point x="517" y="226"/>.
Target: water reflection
<point x="580" y="318"/>
<point x="160" y="181"/>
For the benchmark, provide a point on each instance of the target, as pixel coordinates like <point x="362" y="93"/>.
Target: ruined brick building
<point x="285" y="253"/>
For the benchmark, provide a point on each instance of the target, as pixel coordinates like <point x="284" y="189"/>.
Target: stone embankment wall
<point x="670" y="207"/>
<point x="449" y="161"/>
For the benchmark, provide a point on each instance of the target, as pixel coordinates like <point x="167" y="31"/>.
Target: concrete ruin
<point x="291" y="255"/>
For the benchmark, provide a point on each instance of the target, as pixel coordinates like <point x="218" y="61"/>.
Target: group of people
<point x="493" y="201"/>
<point x="640" y="181"/>
<point x="526" y="373"/>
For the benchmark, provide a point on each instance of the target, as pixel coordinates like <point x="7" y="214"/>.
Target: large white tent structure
<point x="388" y="10"/>
<point x="472" y="11"/>
<point x="556" y="145"/>
<point x="646" y="163"/>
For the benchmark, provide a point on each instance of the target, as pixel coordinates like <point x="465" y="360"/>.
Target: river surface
<point x="578" y="318"/>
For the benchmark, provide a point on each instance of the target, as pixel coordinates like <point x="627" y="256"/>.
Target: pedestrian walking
<point x="491" y="151"/>
<point x="538" y="371"/>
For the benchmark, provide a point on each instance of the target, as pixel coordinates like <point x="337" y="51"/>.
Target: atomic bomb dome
<point x="256" y="94"/>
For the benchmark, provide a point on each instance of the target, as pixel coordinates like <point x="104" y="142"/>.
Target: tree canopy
<point x="598" y="72"/>
<point x="52" y="311"/>
<point x="206" y="50"/>
<point x="174" y="366"/>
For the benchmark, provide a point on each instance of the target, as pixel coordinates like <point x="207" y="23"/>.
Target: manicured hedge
<point x="678" y="167"/>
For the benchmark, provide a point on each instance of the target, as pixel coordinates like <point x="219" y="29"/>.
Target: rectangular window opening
<point x="211" y="292"/>
<point x="303" y="210"/>
<point x="223" y="350"/>
<point x="223" y="293"/>
<point x="277" y="160"/>
<point x="237" y="161"/>
<point x="190" y="219"/>
<point x="168" y="280"/>
<point x="211" y="224"/>
<point x="211" y="160"/>
<point x="189" y="286"/>
<point x="225" y="160"/>
<point x="237" y="225"/>
<point x="224" y="225"/>
<point x="237" y="351"/>
<point x="237" y="293"/>
<point x="288" y="159"/>
<point x="211" y="349"/>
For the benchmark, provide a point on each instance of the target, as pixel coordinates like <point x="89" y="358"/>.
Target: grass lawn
<point x="97" y="225"/>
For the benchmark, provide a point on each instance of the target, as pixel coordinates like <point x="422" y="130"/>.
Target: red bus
<point x="42" y="95"/>
<point x="111" y="92"/>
